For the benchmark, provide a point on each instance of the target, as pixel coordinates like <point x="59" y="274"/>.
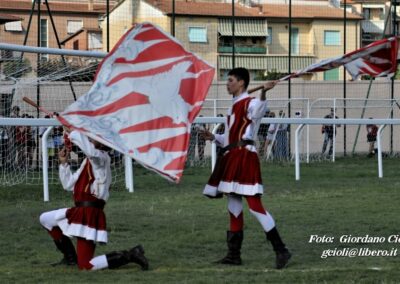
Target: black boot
<point x="119" y="258"/>
<point x="137" y="256"/>
<point x="282" y="253"/>
<point x="65" y="246"/>
<point x="234" y="240"/>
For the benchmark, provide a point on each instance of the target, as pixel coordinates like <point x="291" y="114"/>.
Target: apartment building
<point x="261" y="33"/>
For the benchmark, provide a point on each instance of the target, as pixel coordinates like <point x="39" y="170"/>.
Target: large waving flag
<point x="146" y="94"/>
<point x="376" y="59"/>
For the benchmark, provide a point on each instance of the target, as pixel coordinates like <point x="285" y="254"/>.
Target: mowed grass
<point x="183" y="232"/>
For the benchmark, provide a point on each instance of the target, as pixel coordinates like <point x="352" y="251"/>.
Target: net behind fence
<point x="53" y="82"/>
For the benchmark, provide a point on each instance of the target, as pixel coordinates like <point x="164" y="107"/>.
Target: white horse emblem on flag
<point x="146" y="94"/>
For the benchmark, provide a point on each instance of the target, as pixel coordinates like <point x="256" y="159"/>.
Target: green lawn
<point x="184" y="232"/>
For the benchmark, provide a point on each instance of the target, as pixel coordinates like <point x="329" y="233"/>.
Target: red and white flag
<point x="376" y="59"/>
<point x="146" y="93"/>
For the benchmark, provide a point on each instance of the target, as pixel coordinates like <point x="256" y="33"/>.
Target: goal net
<point x="53" y="82"/>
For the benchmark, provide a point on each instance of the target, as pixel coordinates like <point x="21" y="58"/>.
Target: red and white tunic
<point x="91" y="182"/>
<point x="239" y="169"/>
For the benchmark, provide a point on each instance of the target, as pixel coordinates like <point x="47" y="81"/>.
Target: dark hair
<point x="241" y="74"/>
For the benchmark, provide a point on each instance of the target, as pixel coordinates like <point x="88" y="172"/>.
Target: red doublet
<point x="238" y="171"/>
<point x="91" y="219"/>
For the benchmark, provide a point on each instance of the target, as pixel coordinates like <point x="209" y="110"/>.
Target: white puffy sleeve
<point x="257" y="109"/>
<point x="100" y="161"/>
<point x="67" y="178"/>
<point x="97" y="157"/>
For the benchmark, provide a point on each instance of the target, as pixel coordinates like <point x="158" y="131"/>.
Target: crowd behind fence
<point x="21" y="155"/>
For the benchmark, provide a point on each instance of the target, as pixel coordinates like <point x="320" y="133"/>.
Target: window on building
<point x="295" y="41"/>
<point x="73" y="26"/>
<point x="331" y="38"/>
<point x="269" y="37"/>
<point x="348" y="8"/>
<point x="197" y="34"/>
<point x="331" y="75"/>
<point x="95" y="41"/>
<point x="13" y="26"/>
<point x="44" y="41"/>
<point x="374" y="14"/>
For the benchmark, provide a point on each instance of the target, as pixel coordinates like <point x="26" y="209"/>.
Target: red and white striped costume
<point x="89" y="183"/>
<point x="239" y="171"/>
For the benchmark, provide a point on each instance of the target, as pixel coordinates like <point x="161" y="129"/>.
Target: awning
<point x="13" y="26"/>
<point x="374" y="6"/>
<point x="243" y="27"/>
<point x="278" y="63"/>
<point x="373" y="27"/>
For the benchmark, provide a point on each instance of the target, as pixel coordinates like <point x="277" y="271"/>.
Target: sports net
<point x="53" y="82"/>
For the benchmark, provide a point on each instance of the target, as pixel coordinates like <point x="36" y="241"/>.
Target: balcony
<point x="243" y="49"/>
<point x="373" y="27"/>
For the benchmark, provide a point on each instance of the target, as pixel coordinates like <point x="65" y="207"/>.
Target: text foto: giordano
<point x="367" y="239"/>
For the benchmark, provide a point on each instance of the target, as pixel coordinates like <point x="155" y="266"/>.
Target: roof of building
<point x="203" y="8"/>
<point x="74" y="7"/>
<point x="217" y="9"/>
<point x="5" y="18"/>
<point x="306" y="12"/>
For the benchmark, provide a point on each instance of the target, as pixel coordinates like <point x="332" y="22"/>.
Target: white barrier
<point x="129" y="181"/>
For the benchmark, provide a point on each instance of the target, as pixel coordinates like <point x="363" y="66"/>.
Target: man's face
<point x="233" y="85"/>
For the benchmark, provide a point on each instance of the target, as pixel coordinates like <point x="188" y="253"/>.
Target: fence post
<point x="45" y="163"/>
<point x="378" y="136"/>
<point x="128" y="173"/>
<point x="297" y="150"/>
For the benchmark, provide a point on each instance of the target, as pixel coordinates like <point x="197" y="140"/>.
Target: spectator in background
<point x="261" y="135"/>
<point x="15" y="113"/>
<point x="372" y="131"/>
<point x="281" y="140"/>
<point x="58" y="138"/>
<point x="21" y="143"/>
<point x="196" y="140"/>
<point x="220" y="130"/>
<point x="30" y="142"/>
<point x="270" y="136"/>
<point x="201" y="142"/>
<point x="4" y="142"/>
<point x="192" y="145"/>
<point x="327" y="130"/>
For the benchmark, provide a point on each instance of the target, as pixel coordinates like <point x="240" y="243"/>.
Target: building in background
<point x="69" y="18"/>
<point x="261" y="32"/>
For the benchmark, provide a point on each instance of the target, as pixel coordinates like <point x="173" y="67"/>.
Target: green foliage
<point x="17" y="68"/>
<point x="183" y="232"/>
<point x="268" y="75"/>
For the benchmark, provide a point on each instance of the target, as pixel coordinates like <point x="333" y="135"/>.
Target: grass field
<point x="184" y="232"/>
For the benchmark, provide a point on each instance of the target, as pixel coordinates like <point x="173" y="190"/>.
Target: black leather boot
<point x="137" y="256"/>
<point x="282" y="253"/>
<point x="119" y="258"/>
<point x="66" y="247"/>
<point x="234" y="241"/>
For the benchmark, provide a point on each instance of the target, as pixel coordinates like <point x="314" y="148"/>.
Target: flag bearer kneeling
<point x="86" y="220"/>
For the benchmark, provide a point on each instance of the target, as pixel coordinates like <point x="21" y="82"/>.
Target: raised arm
<point x="82" y="141"/>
